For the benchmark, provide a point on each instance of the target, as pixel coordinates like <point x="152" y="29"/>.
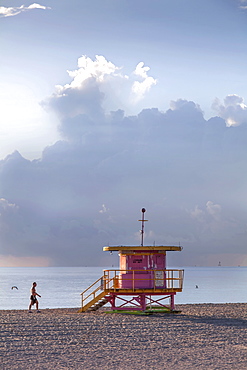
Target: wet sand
<point x="202" y="336"/>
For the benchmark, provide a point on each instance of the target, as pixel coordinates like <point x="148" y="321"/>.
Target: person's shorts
<point x="33" y="299"/>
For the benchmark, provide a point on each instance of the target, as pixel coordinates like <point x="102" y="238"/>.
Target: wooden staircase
<point x="95" y="303"/>
<point x="98" y="305"/>
<point x="94" y="296"/>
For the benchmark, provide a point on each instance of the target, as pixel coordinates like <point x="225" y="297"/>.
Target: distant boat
<point x="219" y="264"/>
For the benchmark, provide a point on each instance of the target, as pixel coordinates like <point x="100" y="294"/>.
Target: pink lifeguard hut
<point x="142" y="283"/>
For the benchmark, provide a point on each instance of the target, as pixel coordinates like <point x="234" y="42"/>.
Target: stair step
<point x="98" y="305"/>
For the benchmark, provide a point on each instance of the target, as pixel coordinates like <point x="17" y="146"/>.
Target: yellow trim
<point x="138" y="248"/>
<point x="125" y="253"/>
<point x="146" y="291"/>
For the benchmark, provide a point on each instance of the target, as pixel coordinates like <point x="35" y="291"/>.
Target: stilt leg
<point x="143" y="302"/>
<point x="172" y="302"/>
<point x="112" y="301"/>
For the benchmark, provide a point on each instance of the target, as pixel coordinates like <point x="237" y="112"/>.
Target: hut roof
<point x="141" y="248"/>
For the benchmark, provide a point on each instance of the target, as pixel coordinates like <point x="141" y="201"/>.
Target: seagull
<point x="14" y="287"/>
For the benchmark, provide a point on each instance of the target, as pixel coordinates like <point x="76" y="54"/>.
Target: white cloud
<point x="139" y="89"/>
<point x="104" y="209"/>
<point x="11" y="11"/>
<point x="184" y="104"/>
<point x="197" y="214"/>
<point x="8" y="12"/>
<point x="96" y="87"/>
<point x="141" y="70"/>
<point x="213" y="210"/>
<point x="233" y="110"/>
<point x="5" y="206"/>
<point x="98" y="69"/>
<point x="37" y="6"/>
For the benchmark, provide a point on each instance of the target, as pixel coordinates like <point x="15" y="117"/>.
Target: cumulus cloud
<point x="60" y="199"/>
<point x="233" y="110"/>
<point x="197" y="214"/>
<point x="11" y="11"/>
<point x="212" y="226"/>
<point x="213" y="209"/>
<point x="182" y="104"/>
<point x="140" y="88"/>
<point x="98" y="69"/>
<point x="96" y="85"/>
<point x="87" y="189"/>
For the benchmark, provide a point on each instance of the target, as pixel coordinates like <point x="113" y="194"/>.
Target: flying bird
<point x="14" y="287"/>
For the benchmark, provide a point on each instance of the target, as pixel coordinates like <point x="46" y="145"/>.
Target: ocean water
<point x="61" y="286"/>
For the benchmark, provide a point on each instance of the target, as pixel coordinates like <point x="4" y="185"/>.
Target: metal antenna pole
<point x="142" y="230"/>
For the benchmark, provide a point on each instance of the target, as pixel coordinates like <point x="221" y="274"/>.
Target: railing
<point x="117" y="280"/>
<point x="95" y="289"/>
<point x="143" y="279"/>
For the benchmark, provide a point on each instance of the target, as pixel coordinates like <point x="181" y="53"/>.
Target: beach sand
<point x="202" y="336"/>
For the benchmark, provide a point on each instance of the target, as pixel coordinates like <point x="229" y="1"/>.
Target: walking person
<point x="33" y="298"/>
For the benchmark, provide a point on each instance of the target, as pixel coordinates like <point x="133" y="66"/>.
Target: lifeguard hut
<point x="142" y="283"/>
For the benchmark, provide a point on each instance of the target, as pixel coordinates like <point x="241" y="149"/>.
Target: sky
<point x="110" y="106"/>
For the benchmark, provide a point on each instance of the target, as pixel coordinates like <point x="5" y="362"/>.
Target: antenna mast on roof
<point x="142" y="221"/>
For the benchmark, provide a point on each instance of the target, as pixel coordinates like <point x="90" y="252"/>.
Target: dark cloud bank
<point x="87" y="190"/>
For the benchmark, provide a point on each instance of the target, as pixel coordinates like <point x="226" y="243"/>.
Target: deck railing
<point x="145" y="279"/>
<point x="117" y="280"/>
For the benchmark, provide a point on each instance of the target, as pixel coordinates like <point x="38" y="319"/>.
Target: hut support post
<point x="172" y="303"/>
<point x="142" y="300"/>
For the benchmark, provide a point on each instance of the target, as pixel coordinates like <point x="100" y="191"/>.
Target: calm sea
<point x="61" y="286"/>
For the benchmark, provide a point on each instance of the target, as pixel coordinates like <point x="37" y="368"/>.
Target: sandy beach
<point x="202" y="336"/>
